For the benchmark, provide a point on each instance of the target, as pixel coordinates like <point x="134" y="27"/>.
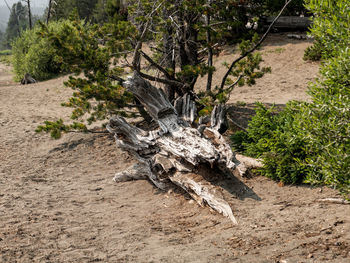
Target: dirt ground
<point x="58" y="202"/>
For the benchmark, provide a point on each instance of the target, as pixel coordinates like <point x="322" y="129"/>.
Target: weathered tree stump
<point x="27" y="79"/>
<point x="176" y="153"/>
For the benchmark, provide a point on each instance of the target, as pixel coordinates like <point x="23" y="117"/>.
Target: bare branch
<point x="7" y="5"/>
<point x="164" y="81"/>
<point x="334" y="201"/>
<point x="218" y="23"/>
<point x="205" y="49"/>
<point x="150" y="60"/>
<point x="235" y="83"/>
<point x="119" y="79"/>
<point x="253" y="48"/>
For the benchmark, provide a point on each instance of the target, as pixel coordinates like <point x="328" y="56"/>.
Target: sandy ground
<point x="58" y="202"/>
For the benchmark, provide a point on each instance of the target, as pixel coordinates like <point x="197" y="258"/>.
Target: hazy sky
<point x="34" y="3"/>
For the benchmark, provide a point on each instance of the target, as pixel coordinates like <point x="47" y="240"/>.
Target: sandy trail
<point x="58" y="202"/>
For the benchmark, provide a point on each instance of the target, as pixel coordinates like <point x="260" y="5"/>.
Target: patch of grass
<point x="278" y="50"/>
<point x="241" y="103"/>
<point x="6" y="59"/>
<point x="5" y="52"/>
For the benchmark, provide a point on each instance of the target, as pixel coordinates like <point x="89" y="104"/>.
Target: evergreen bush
<point x="36" y="55"/>
<point x="314" y="52"/>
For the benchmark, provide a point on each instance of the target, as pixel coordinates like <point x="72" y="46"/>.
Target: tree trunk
<point x="176" y="153"/>
<point x="29" y="15"/>
<point x="210" y="52"/>
<point x="49" y="12"/>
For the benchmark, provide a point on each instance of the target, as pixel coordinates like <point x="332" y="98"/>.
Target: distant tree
<point x="2" y="39"/>
<point x="18" y="22"/>
<point x="48" y="11"/>
<point x="63" y="8"/>
<point x="29" y="14"/>
<point x="85" y="8"/>
<point x="110" y="11"/>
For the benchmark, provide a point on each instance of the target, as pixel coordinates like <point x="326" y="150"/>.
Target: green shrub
<point x="314" y="52"/>
<point x="327" y="121"/>
<point x="274" y="137"/>
<point x="308" y="142"/>
<point x="330" y="27"/>
<point x="36" y="55"/>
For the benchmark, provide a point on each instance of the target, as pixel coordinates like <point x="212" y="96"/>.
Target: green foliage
<point x="84" y="8"/>
<point x="56" y="128"/>
<point x="244" y="72"/>
<point x="306" y="142"/>
<point x="110" y="11"/>
<point x="314" y="52"/>
<point x="330" y="27"/>
<point x="96" y="95"/>
<point x="6" y="59"/>
<point x="310" y="142"/>
<point x="328" y="123"/>
<point x="36" y="55"/>
<point x="6" y="56"/>
<point x="275" y="138"/>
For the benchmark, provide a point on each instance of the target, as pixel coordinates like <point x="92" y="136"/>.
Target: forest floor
<point x="58" y="202"/>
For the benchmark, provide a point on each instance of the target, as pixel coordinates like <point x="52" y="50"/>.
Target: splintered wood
<point x="175" y="153"/>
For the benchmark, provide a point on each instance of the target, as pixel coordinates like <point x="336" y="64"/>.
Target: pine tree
<point x="181" y="44"/>
<point x="18" y="22"/>
<point x="110" y="11"/>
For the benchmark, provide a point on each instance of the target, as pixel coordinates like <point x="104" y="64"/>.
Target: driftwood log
<point x="177" y="153"/>
<point x="289" y="22"/>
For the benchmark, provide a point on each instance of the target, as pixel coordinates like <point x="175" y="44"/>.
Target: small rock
<point x="310" y="256"/>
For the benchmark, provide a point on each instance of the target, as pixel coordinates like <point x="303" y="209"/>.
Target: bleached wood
<point x="134" y="172"/>
<point x="218" y="118"/>
<point x="203" y="192"/>
<point x="186" y="108"/>
<point x="28" y="79"/>
<point x="175" y="151"/>
<point x="247" y="164"/>
<point x="334" y="201"/>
